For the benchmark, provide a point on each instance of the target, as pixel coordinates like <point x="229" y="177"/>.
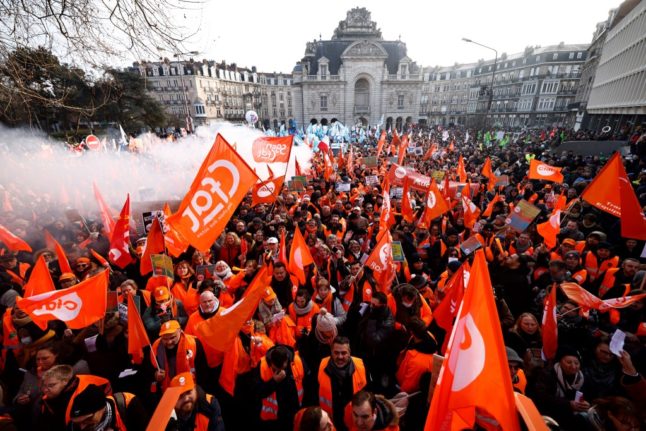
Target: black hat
<point x="419" y="281"/>
<point x="566" y="350"/>
<point x="89" y="401"/>
<point x="604" y="244"/>
<point x="454" y="265"/>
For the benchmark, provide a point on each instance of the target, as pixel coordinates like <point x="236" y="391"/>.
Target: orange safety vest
<point x="426" y="314"/>
<point x="609" y="281"/>
<point x="201" y="420"/>
<point x="411" y="369"/>
<point x="190" y="351"/>
<point x="119" y="421"/>
<point x="86" y="380"/>
<point x="213" y="357"/>
<point x="359" y="381"/>
<point x="10" y="340"/>
<point x="580" y="276"/>
<point x="304" y="321"/>
<point x="595" y="270"/>
<point x="269" y="410"/>
<point x="521" y="384"/>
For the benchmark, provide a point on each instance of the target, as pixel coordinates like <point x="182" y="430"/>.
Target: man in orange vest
<point x="518" y="379"/>
<point x="176" y="352"/>
<point x="92" y="410"/>
<point x="195" y="409"/>
<point x="339" y="377"/>
<point x="280" y="387"/>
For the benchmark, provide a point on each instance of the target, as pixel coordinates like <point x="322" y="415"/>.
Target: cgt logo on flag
<point x="431" y="200"/>
<point x="546" y="170"/>
<point x="266" y="190"/>
<point x="469" y="363"/>
<point x="65" y="308"/>
<point x="384" y="257"/>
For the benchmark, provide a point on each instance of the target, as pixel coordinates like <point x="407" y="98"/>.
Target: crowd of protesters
<point x="340" y="350"/>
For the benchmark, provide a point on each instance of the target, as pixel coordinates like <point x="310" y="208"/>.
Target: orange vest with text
<point x="359" y="381"/>
<point x="269" y="410"/>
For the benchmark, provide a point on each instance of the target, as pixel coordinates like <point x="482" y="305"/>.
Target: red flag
<point x="350" y="161"/>
<point x="561" y="201"/>
<point x="550" y="229"/>
<point x="78" y="306"/>
<point x="299" y="256"/>
<point x="380" y="144"/>
<point x="435" y="204"/>
<point x="395" y="142"/>
<point x="542" y="171"/>
<point x="550" y="329"/>
<point x="476" y="362"/>
<point x="380" y="260"/>
<point x="40" y="279"/>
<point x="221" y="183"/>
<point x="12" y="242"/>
<point x="386" y="218"/>
<point x="154" y="245"/>
<point x="174" y="241"/>
<point x="402" y="149"/>
<point x="265" y="192"/>
<point x="633" y="222"/>
<point x="120" y="241"/>
<point x="407" y="209"/>
<point x="462" y="172"/>
<point x="220" y="331"/>
<point x="297" y="168"/>
<point x="63" y="263"/>
<point x="448" y="308"/>
<point x="430" y="152"/>
<point x="100" y="258"/>
<point x="621" y="302"/>
<point x="137" y="335"/>
<point x="106" y="213"/>
<point x="602" y="190"/>
<point x="327" y="173"/>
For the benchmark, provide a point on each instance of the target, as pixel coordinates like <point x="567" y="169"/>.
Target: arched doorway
<point x="409" y="120"/>
<point x="314" y="121"/>
<point x="389" y="123"/>
<point x="323" y="121"/>
<point x="363" y="121"/>
<point x="362" y="96"/>
<point x="398" y="123"/>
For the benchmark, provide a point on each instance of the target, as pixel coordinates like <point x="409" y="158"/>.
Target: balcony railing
<point x="361" y="109"/>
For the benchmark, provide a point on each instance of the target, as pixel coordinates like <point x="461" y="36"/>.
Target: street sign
<point x="93" y="143"/>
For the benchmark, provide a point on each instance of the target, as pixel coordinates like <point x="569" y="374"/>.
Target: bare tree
<point x="86" y="33"/>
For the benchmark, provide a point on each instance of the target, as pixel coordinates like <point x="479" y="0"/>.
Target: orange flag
<point x="587" y="300"/>
<point x="489" y="210"/>
<point x="220" y="331"/>
<point x="78" y="306"/>
<point x="528" y="411"/>
<point x="350" y="162"/>
<point x="299" y="256"/>
<point x="221" y="183"/>
<point x="282" y="253"/>
<point x="446" y="311"/>
<point x="487" y="172"/>
<point x="120" y="241"/>
<point x="165" y="409"/>
<point x="380" y="260"/>
<point x="542" y="171"/>
<point x="154" y="245"/>
<point x="402" y="149"/>
<point x="561" y="201"/>
<point x="175" y="244"/>
<point x="386" y="218"/>
<point x="435" y="204"/>
<point x="137" y="335"/>
<point x="63" y="263"/>
<point x="430" y="152"/>
<point x="297" y="168"/>
<point x="550" y="229"/>
<point x="471" y="212"/>
<point x="476" y="361"/>
<point x="633" y="222"/>
<point x="380" y="144"/>
<point x="327" y="173"/>
<point x="462" y="172"/>
<point x="40" y="280"/>
<point x="395" y="142"/>
<point x="550" y="329"/>
<point x="265" y="192"/>
<point x="407" y="209"/>
<point x="602" y="191"/>
<point x="100" y="258"/>
<point x="12" y="242"/>
<point x="106" y="213"/>
<point x="451" y="147"/>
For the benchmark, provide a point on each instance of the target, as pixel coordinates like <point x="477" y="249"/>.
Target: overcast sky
<point x="271" y="34"/>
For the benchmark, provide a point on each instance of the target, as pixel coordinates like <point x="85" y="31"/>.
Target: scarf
<point x="563" y="388"/>
<point x="182" y="363"/>
<point x="303" y="311"/>
<point x="107" y="419"/>
<point x="339" y="374"/>
<point x="325" y="302"/>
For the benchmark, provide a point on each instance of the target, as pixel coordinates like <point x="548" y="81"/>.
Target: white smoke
<point x="34" y="167"/>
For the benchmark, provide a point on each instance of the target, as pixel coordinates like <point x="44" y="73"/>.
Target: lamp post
<point x="493" y="74"/>
<point x="189" y="119"/>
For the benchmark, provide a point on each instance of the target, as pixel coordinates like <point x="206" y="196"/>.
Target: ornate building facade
<point x="357" y="77"/>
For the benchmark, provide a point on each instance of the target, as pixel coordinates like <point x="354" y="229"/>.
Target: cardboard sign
<point x="342" y="187"/>
<point x="370" y="162"/>
<point x="470" y="245"/>
<point x="148" y="218"/>
<point x="162" y="265"/>
<point x="438" y="175"/>
<point x="372" y="180"/>
<point x="396" y="192"/>
<point x="398" y="251"/>
<point x="524" y="213"/>
<point x="419" y="151"/>
<point x="502" y="181"/>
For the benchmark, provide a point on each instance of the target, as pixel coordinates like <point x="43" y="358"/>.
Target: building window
<point x="538" y="58"/>
<point x="403" y="71"/>
<point x="555" y="56"/>
<point x="323" y="103"/>
<point x="579" y="55"/>
<point x="400" y="101"/>
<point x="323" y="71"/>
<point x="571" y="56"/>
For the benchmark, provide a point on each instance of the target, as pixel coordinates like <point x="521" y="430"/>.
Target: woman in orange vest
<point x="301" y="312"/>
<point x="185" y="288"/>
<point x="280" y="387"/>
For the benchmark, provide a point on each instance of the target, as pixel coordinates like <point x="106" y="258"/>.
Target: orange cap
<point x="183" y="380"/>
<point x="162" y="294"/>
<point x="269" y="294"/>
<point x="169" y="327"/>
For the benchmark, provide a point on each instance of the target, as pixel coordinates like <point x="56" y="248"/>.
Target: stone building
<point x="357" y="77"/>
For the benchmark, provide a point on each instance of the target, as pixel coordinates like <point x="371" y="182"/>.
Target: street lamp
<point x="189" y="119"/>
<point x="493" y="75"/>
